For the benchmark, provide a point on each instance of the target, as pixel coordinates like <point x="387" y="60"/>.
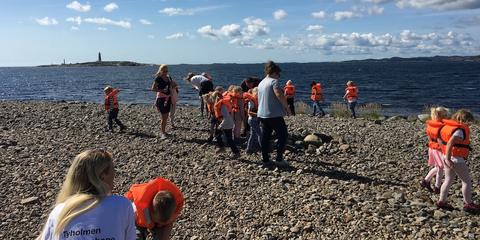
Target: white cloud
<point x="280" y="14"/>
<point x="79" y="7"/>
<point x="110" y="7"/>
<point x="255" y="27"/>
<point x="375" y="10"/>
<point x="170" y="11"/>
<point x="314" y="28"/>
<point x="232" y="30"/>
<point x="77" y="20"/>
<point x="439" y="4"/>
<point x="319" y="14"/>
<point x="102" y="29"/>
<point x="74" y="28"/>
<point x="46" y="21"/>
<point x="175" y="36"/>
<point x="207" y="31"/>
<point x="145" y="22"/>
<point x="342" y="15"/>
<point x="106" y="21"/>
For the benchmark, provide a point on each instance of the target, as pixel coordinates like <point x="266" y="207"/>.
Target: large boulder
<point x="423" y="117"/>
<point x="317" y="139"/>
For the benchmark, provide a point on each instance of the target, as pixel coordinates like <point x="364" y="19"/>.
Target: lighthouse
<point x="99" y="57"/>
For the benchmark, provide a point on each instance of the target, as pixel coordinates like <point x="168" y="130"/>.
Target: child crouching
<point x="111" y="107"/>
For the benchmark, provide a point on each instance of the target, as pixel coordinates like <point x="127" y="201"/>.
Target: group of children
<point x="448" y="149"/>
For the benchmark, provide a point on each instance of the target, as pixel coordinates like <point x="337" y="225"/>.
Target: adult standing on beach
<point x="351" y="96"/>
<point x="272" y="107"/>
<point x="162" y="86"/>
<point x="203" y="84"/>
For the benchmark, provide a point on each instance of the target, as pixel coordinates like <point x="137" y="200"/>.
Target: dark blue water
<point x="402" y="88"/>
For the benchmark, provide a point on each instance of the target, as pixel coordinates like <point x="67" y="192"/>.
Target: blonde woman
<point x="85" y="207"/>
<point x="162" y="86"/>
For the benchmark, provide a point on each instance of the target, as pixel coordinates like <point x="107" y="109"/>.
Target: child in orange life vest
<point x="157" y="205"/>
<point x="253" y="143"/>
<point x="317" y="97"/>
<point x="289" y="91"/>
<point x="238" y="110"/>
<point x="223" y="113"/>
<point x="111" y="107"/>
<point x="455" y="144"/>
<point x="435" y="157"/>
<point x="351" y="96"/>
<point x="210" y="99"/>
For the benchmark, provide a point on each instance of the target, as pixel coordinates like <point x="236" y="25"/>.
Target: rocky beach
<point x="354" y="179"/>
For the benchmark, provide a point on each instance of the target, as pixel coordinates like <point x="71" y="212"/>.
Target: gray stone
<point x="423" y="117"/>
<point x="29" y="200"/>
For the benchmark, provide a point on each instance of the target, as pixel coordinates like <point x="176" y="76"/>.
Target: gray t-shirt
<point x="269" y="106"/>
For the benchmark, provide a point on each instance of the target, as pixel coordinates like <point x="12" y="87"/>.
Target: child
<point x="455" y="136"/>
<point x="351" y="96"/>
<point x="85" y="202"/>
<point x="317" y="97"/>
<point x="434" y="151"/>
<point x="111" y="107"/>
<point x="289" y="90"/>
<point x="210" y="99"/>
<point x="254" y="140"/>
<point x="157" y="203"/>
<point x="238" y="111"/>
<point x="223" y="113"/>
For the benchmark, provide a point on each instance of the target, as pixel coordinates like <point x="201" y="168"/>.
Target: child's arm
<point x="448" y="153"/>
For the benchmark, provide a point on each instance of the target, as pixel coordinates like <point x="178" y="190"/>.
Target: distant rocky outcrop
<point x="424" y="59"/>
<point x="98" y="64"/>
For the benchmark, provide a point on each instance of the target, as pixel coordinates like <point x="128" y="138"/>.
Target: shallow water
<point x="401" y="88"/>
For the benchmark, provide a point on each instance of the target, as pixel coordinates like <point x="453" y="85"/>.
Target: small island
<point x="99" y="63"/>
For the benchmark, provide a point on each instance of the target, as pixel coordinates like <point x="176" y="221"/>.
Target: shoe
<point x="471" y="208"/>
<point x="444" y="205"/>
<point x="163" y="136"/>
<point x="282" y="164"/>
<point x="426" y="185"/>
<point x="123" y="128"/>
<point x="220" y="150"/>
<point x="268" y="165"/>
<point x="210" y="139"/>
<point x="436" y="190"/>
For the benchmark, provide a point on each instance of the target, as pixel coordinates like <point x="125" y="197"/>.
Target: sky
<point x="35" y="32"/>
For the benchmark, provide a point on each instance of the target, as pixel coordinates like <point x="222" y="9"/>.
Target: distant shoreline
<point x="100" y="64"/>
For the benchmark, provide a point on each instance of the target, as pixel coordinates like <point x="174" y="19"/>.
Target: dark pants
<point x="229" y="136"/>
<point x="113" y="115"/>
<point x="267" y="126"/>
<point x="352" y="105"/>
<point x="290" y="102"/>
<point x="317" y="109"/>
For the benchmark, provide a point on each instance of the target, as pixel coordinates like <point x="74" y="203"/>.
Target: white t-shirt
<point x="458" y="133"/>
<point x="196" y="80"/>
<point x="112" y="218"/>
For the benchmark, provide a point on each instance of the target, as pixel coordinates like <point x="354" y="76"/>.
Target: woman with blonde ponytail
<point x="85" y="207"/>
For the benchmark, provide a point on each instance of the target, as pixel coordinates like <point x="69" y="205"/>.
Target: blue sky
<point x="249" y="31"/>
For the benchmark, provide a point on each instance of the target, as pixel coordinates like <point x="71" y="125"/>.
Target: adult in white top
<point x="85" y="207"/>
<point x="203" y="84"/>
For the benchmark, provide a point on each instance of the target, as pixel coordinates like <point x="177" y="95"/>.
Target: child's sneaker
<point x="163" y="136"/>
<point x="471" y="208"/>
<point x="444" y="205"/>
<point x="436" y="190"/>
<point x="282" y="164"/>
<point x="426" y="185"/>
<point x="123" y="128"/>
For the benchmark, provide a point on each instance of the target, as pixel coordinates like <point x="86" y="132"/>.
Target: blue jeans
<point x="317" y="108"/>
<point x="254" y="140"/>
<point x="352" y="105"/>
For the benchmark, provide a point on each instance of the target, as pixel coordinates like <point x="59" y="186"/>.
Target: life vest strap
<point x="467" y="146"/>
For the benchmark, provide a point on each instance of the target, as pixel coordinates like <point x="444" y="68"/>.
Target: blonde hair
<point x="108" y="89"/>
<point x="83" y="184"/>
<point x="164" y="205"/>
<point x="438" y="113"/>
<point x="230" y="88"/>
<point x="255" y="91"/>
<point x="161" y="69"/>
<point x="463" y="116"/>
<point x="289" y="82"/>
<point x="237" y="89"/>
<point x="350" y="83"/>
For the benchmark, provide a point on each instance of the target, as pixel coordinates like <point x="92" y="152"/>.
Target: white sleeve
<point x="49" y="229"/>
<point x="458" y="133"/>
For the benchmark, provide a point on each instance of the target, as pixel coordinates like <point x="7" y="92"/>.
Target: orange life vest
<point x="225" y="101"/>
<point x="235" y="102"/>
<point x="316" y="92"/>
<point x="433" y="133"/>
<point x="289" y="91"/>
<point x="142" y="197"/>
<point x="251" y="98"/>
<point x="461" y="149"/>
<point x="352" y="92"/>
<point x="111" y="100"/>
